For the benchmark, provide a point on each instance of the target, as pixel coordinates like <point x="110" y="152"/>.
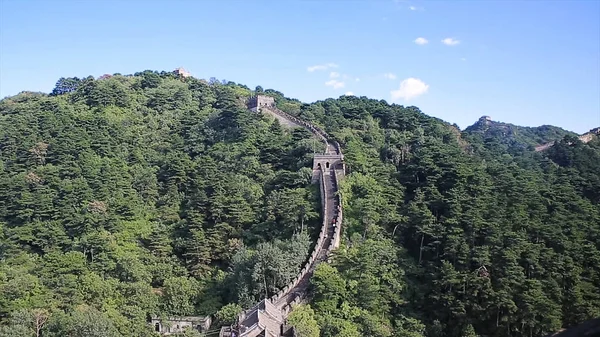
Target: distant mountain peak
<point x="514" y="136"/>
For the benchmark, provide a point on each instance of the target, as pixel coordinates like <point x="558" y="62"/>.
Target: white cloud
<point x="357" y="79"/>
<point x="389" y="76"/>
<point x="335" y="84"/>
<point x="349" y="93"/>
<point x="321" y="67"/>
<point x="449" y="41"/>
<point x="421" y="41"/>
<point x="412" y="8"/>
<point x="334" y="74"/>
<point x="463" y="59"/>
<point x="409" y="88"/>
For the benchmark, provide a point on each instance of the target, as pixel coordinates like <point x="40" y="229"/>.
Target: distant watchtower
<point x="182" y="72"/>
<point x="255" y="102"/>
<point x="485" y="120"/>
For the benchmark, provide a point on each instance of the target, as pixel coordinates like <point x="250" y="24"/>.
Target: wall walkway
<point x="267" y="318"/>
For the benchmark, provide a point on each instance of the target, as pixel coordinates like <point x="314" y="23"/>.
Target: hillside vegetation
<point x="513" y="137"/>
<point x="125" y="197"/>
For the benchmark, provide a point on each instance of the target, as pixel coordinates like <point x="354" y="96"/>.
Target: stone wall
<point x="318" y="246"/>
<point x="337" y="232"/>
<point x="323" y="136"/>
<point x="285" y="298"/>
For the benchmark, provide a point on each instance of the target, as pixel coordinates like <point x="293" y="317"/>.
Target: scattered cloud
<point x="415" y="8"/>
<point x="406" y="4"/>
<point x="409" y="88"/>
<point x="357" y="79"/>
<point x="449" y="41"/>
<point x="321" y="67"/>
<point x="334" y="74"/>
<point x="389" y="76"/>
<point x="349" y="93"/>
<point x="463" y="59"/>
<point x="421" y="41"/>
<point x="335" y="84"/>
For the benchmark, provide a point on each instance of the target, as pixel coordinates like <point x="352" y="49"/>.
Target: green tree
<point x="179" y="294"/>
<point x="228" y="314"/>
<point x="83" y="322"/>
<point x="329" y="288"/>
<point x="302" y="318"/>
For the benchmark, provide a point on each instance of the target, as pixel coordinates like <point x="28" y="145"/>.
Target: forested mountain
<point x="513" y="137"/>
<point x="125" y="197"/>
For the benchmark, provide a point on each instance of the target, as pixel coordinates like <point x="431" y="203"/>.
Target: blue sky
<point x="528" y="62"/>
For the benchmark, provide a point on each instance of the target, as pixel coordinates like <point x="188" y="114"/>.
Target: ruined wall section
<point x="585" y="138"/>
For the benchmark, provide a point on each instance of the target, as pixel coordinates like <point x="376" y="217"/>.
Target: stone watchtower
<point x="255" y="102"/>
<point x="182" y="72"/>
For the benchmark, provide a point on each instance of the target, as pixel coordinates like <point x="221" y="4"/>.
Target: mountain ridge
<point x="517" y="137"/>
<point x="70" y="84"/>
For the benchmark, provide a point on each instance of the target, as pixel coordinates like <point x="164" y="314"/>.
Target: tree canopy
<point x="125" y="197"/>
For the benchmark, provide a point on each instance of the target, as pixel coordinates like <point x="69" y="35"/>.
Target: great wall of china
<point x="268" y="317"/>
<point x="585" y="138"/>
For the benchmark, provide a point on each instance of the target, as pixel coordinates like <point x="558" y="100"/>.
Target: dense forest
<point x="127" y="197"/>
